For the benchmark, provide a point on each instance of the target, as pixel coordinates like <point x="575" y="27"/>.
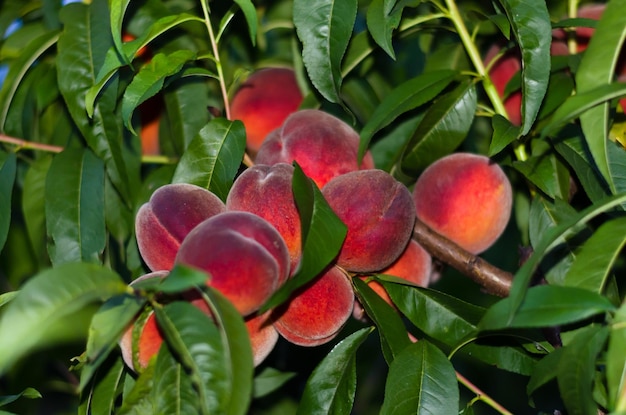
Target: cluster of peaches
<point x="251" y="244"/>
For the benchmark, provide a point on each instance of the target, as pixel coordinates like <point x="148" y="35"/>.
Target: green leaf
<point x="137" y="399"/>
<point x="545" y="371"/>
<point x="504" y="133"/>
<point x="81" y="49"/>
<point x="331" y="387"/>
<point x="421" y="380"/>
<point x="104" y="394"/>
<point x="552" y="238"/>
<point x="196" y="342"/>
<point x="8" y="167"/>
<point x="49" y="297"/>
<point x="530" y="22"/>
<point x="596" y="72"/>
<point x="33" y="207"/>
<point x="106" y="328"/>
<point x="443" y="128"/>
<point x="249" y="12"/>
<point x="29" y="393"/>
<point x="324" y="27"/>
<point x="546" y="306"/>
<point x="597" y="256"/>
<point x="6" y="298"/>
<point x="382" y="20"/>
<point x="393" y="333"/>
<point x="180" y="279"/>
<point x="270" y="380"/>
<point x="118" y="10"/>
<point x="541" y="170"/>
<point x="323" y="234"/>
<point x="213" y="157"/>
<point x="150" y="79"/>
<point x="173" y="391"/>
<point x="18" y="69"/>
<point x="616" y="362"/>
<point x="577" y="367"/>
<point x="75" y="207"/>
<point x="403" y="98"/>
<point x="182" y="100"/>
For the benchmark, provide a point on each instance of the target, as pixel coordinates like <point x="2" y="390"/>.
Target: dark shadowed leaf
<point x="546" y="306"/>
<point x="577" y="367"/>
<point x="213" y="157"/>
<point x="29" y="393"/>
<point x="102" y="397"/>
<point x="331" y="387"/>
<point x="51" y="296"/>
<point x="137" y="399"/>
<point x="249" y="12"/>
<point x="616" y="362"/>
<point x="75" y="207"/>
<point x="33" y="206"/>
<point x="595" y="72"/>
<point x="530" y="22"/>
<point x="270" y="380"/>
<point x="324" y="28"/>
<point x="7" y="178"/>
<point x="545" y="371"/>
<point x="443" y="128"/>
<point x="421" y="381"/>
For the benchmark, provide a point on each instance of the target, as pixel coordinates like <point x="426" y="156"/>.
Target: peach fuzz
<point x="266" y="191"/>
<point x="318" y="311"/>
<point x="244" y="255"/>
<point x="379" y="213"/>
<point x="264" y="101"/>
<point x="323" y="145"/>
<point x="414" y="265"/>
<point x="466" y="198"/>
<point x="172" y="212"/>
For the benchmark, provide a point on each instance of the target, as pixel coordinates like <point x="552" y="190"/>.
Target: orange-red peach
<point x="264" y="101"/>
<point x="266" y="191"/>
<point x="148" y="345"/>
<point x="244" y="255"/>
<point x="323" y="145"/>
<point x="379" y="213"/>
<point x="318" y="311"/>
<point x="466" y="198"/>
<point x="172" y="212"/>
<point x="263" y="336"/>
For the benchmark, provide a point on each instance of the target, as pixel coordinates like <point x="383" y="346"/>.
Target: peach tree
<point x="484" y="140"/>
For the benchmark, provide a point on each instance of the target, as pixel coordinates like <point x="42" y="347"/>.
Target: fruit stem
<point x="480" y="395"/>
<point x="216" y="55"/>
<point x="572" y="12"/>
<point x="29" y="145"/>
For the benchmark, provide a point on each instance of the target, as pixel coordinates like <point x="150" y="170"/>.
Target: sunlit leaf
<point x="331" y="387"/>
<point x="616" y="362"/>
<point x="324" y="28"/>
<point x="382" y="20"/>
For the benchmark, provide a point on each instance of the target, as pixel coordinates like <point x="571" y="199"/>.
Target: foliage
<point x="410" y="77"/>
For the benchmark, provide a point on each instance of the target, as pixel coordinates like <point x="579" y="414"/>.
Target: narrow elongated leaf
<point x="103" y="397"/>
<point x="33" y="206"/>
<point x="546" y="306"/>
<point x="51" y="296"/>
<point x="576" y="371"/>
<point x="542" y="171"/>
<point x="616" y="362"/>
<point x="443" y="128"/>
<point x="324" y="27"/>
<point x="196" y="342"/>
<point x="552" y="238"/>
<point x="249" y="12"/>
<point x="137" y="399"/>
<point x="118" y="10"/>
<point x="270" y="380"/>
<point x="393" y="333"/>
<point x="504" y="133"/>
<point x="545" y="371"/>
<point x="82" y="48"/>
<point x="26" y="393"/>
<point x="530" y="22"/>
<point x="595" y="259"/>
<point x="382" y="20"/>
<point x="403" y="98"/>
<point x="8" y="168"/>
<point x="421" y="381"/>
<point x="150" y="80"/>
<point x="173" y="392"/>
<point x="596" y="70"/>
<point x="213" y="157"/>
<point x="323" y="234"/>
<point x="331" y="387"/>
<point x="182" y="100"/>
<point x="75" y="207"/>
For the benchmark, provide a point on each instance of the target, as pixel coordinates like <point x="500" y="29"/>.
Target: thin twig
<point x="30" y="145"/>
<point x="482" y="395"/>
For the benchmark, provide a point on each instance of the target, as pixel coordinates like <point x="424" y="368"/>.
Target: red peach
<point x="263" y="336"/>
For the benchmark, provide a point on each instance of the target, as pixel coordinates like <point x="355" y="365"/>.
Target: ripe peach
<point x="264" y="101"/>
<point x="323" y="145"/>
<point x="466" y="198"/>
<point x="413" y="265"/>
<point x="379" y="213"/>
<point x="244" y="255"/>
<point x="266" y="191"/>
<point x="317" y="312"/>
<point x="163" y="222"/>
<point x="150" y="119"/>
<point x="263" y="336"/>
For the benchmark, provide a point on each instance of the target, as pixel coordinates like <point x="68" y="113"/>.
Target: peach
<point x="244" y="255"/>
<point x="323" y="145"/>
<point x="264" y="101"/>
<point x="318" y="311"/>
<point x="413" y="265"/>
<point x="263" y="336"/>
<point x="466" y="198"/>
<point x="266" y="191"/>
<point x="150" y="119"/>
<point x="162" y="223"/>
<point x="379" y="213"/>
